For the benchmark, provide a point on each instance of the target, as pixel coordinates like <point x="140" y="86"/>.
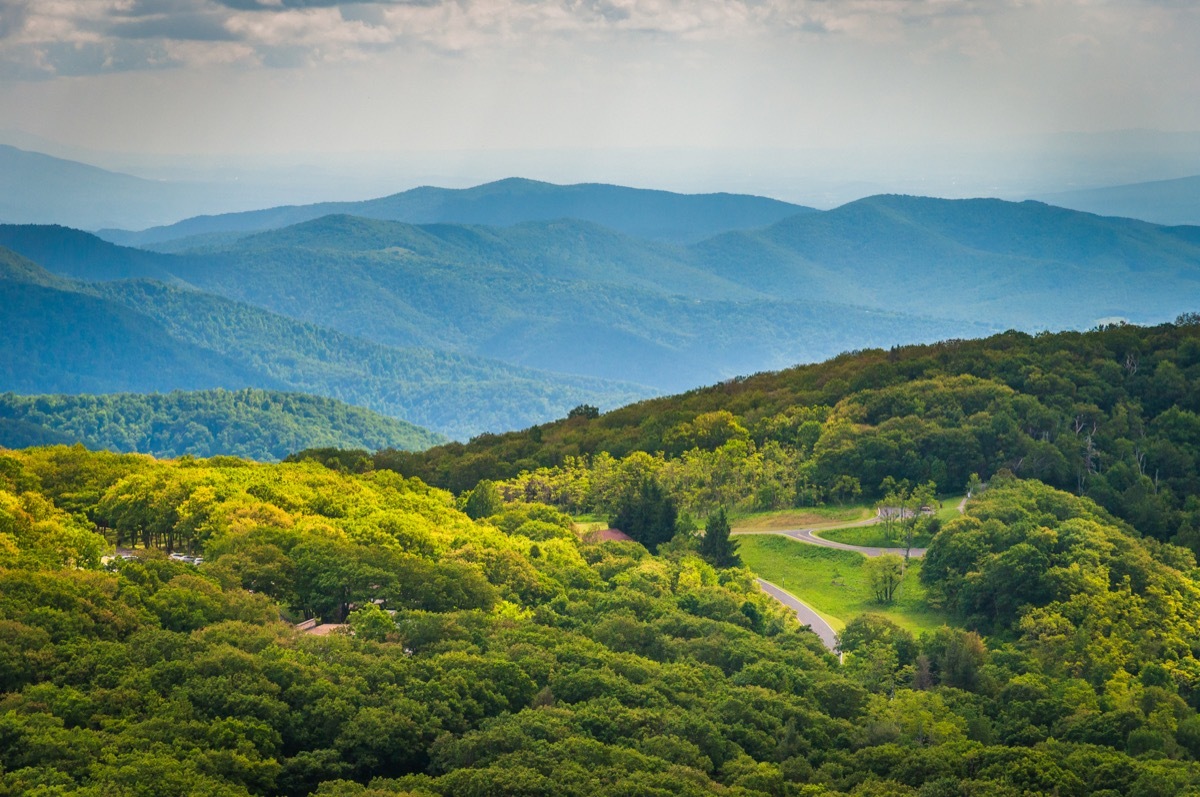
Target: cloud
<point x="179" y="27"/>
<point x="13" y="14"/>
<point x="51" y="37"/>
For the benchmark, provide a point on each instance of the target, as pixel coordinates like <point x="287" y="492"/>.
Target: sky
<point x="966" y="96"/>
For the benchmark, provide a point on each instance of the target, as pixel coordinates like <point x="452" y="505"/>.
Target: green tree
<point x="884" y="574"/>
<point x="587" y="411"/>
<point x="647" y="514"/>
<point x="716" y="546"/>
<point x="483" y="501"/>
<point x="371" y="623"/>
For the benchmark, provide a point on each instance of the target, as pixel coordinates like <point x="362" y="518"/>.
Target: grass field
<point x="587" y="523"/>
<point x="871" y="537"/>
<point x="807" y="517"/>
<point x="949" y="508"/>
<point x="808" y="572"/>
<point x="875" y="537"/>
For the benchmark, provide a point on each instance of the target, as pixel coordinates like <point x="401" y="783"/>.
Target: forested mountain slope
<point x="257" y="424"/>
<point x="1113" y="414"/>
<point x="57" y="336"/>
<point x="520" y="661"/>
<point x="142" y="336"/>
<point x="573" y="297"/>
<point x="82" y="256"/>
<point x="659" y="215"/>
<point x="559" y="296"/>
<point x="1025" y="265"/>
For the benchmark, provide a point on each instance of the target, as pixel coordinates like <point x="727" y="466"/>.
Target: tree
<point x="587" y="411"/>
<point x="869" y="629"/>
<point x="716" y="546"/>
<point x="647" y="514"/>
<point x="884" y="574"/>
<point x="974" y="485"/>
<point x="371" y="623"/>
<point x="845" y="489"/>
<point x="483" y="501"/>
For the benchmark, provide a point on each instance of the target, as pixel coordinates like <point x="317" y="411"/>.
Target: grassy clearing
<point x="871" y="537"/>
<point x="806" y="517"/>
<point x="949" y="508"/>
<point x="875" y="536"/>
<point x="588" y="523"/>
<point x="808" y="572"/>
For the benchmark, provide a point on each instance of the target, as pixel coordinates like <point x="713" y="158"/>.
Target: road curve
<point x="809" y="535"/>
<point x="804" y="613"/>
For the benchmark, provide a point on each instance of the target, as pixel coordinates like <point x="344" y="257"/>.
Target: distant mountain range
<point x="63" y="336"/>
<point x="658" y="215"/>
<point x="469" y="327"/>
<point x="259" y="424"/>
<point x="1012" y="264"/>
<point x="1162" y="201"/>
<point x="40" y="189"/>
<point x="562" y="296"/>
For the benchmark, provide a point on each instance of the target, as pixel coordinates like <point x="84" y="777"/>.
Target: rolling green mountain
<point x="80" y="255"/>
<point x="660" y="215"/>
<point x="1112" y="414"/>
<point x="561" y="296"/>
<point x="63" y="336"/>
<point x="533" y="295"/>
<point x="257" y="424"/>
<point x="456" y="394"/>
<point x="1161" y="201"/>
<point x="1026" y="265"/>
<point x="57" y="336"/>
<point x="571" y="297"/>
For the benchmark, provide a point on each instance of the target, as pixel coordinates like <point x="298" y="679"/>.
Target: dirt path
<point x="804" y="613"/>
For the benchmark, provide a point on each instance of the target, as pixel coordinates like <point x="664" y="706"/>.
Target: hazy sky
<point x="717" y="82"/>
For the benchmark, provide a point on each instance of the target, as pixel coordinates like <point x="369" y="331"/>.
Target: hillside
<point x="572" y="297"/>
<point x="57" y="337"/>
<point x="142" y="336"/>
<point x="80" y="255"/>
<point x="1001" y="263"/>
<point x="1025" y="265"/>
<point x="256" y="424"/>
<point x="658" y="215"/>
<point x="501" y="655"/>
<point x="567" y="297"/>
<point x="40" y="189"/>
<point x="1161" y="201"/>
<point x="1112" y="414"/>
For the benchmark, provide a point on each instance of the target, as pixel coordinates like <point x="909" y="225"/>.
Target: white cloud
<point x="322" y="30"/>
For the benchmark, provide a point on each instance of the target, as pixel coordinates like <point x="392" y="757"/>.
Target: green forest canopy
<point x="256" y="424"/>
<point x="501" y="655"/>
<point x="520" y="661"/>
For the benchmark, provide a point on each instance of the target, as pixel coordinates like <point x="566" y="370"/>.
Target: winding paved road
<point x="809" y="535"/>
<point x="804" y="613"/>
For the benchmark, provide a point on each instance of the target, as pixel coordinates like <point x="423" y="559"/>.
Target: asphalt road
<point x="804" y="613"/>
<point x="809" y="535"/>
